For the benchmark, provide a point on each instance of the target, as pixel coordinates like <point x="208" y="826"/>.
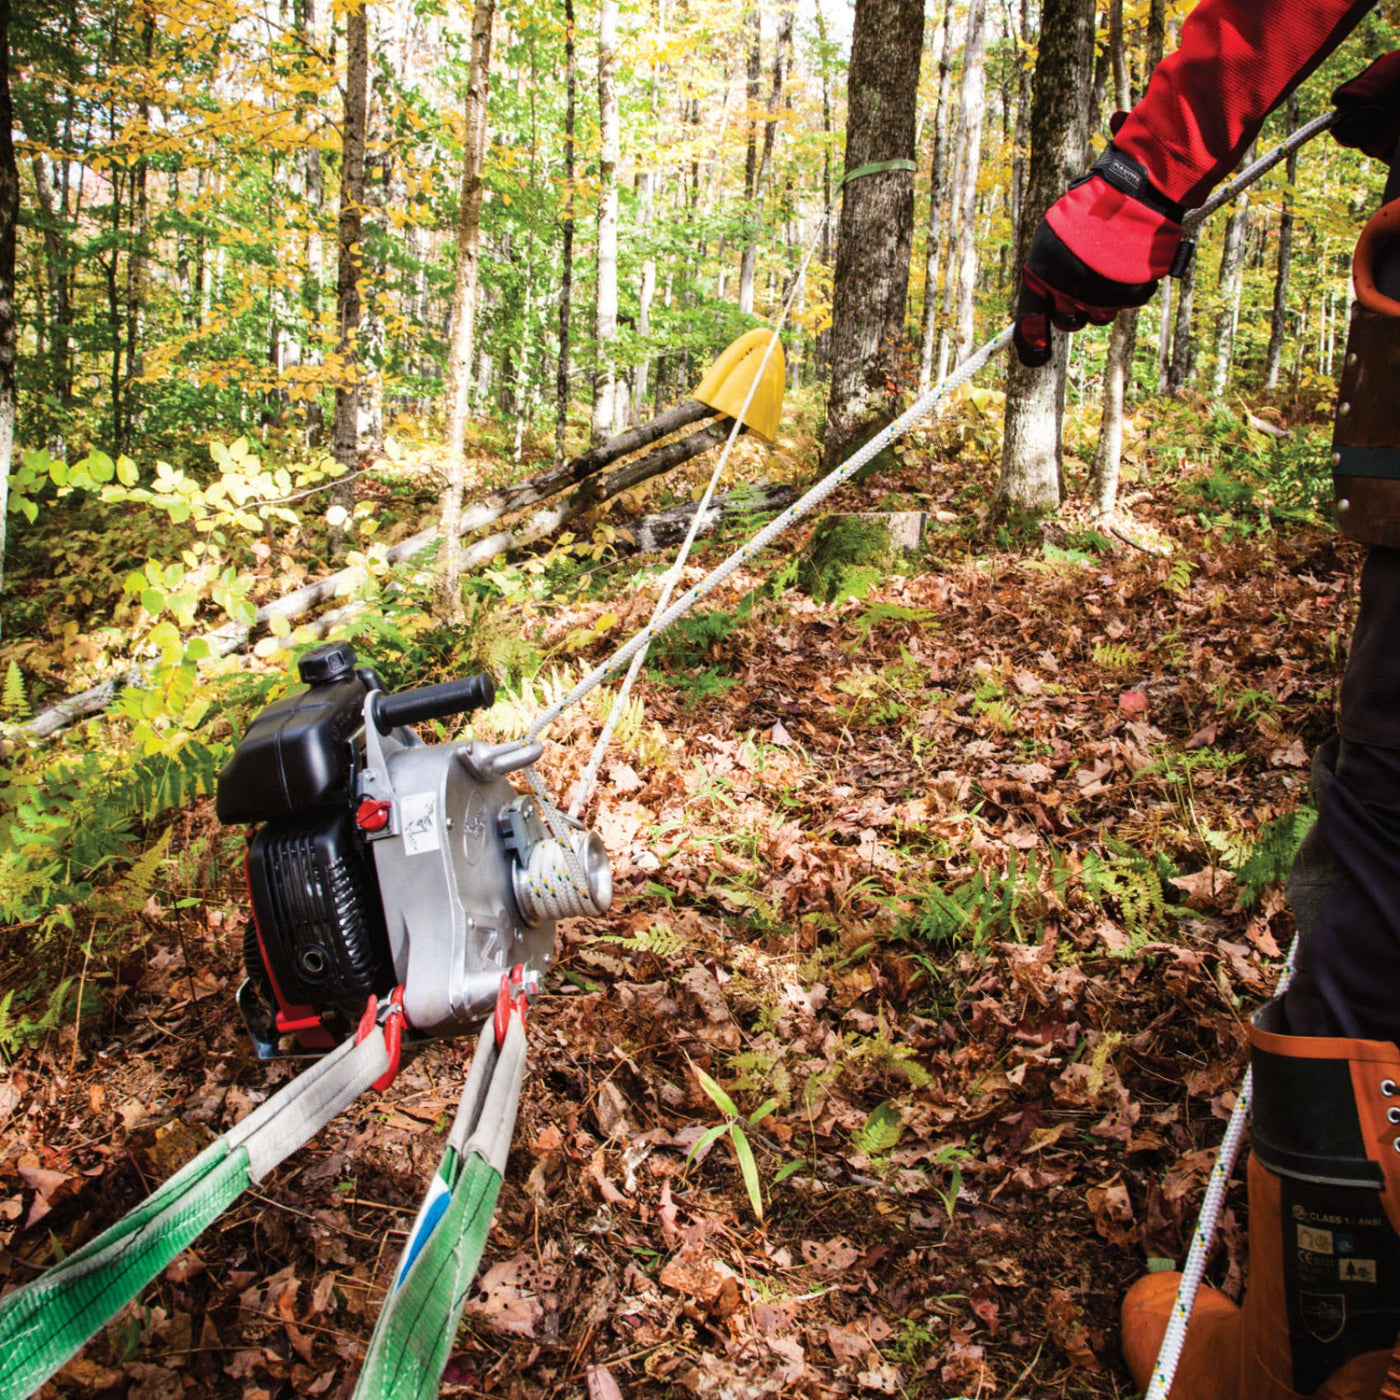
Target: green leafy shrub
<point x="844" y="558"/>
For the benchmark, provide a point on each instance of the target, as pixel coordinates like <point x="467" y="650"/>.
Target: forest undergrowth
<point x="950" y="896"/>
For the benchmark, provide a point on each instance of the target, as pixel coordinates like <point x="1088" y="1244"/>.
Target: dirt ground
<point x="992" y="1107"/>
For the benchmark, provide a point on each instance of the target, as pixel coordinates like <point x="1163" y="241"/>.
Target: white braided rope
<point x="1169" y="1353"/>
<point x="555" y="890"/>
<point x="775" y="527"/>
<point x="1257" y="169"/>
<point x="584" y="789"/>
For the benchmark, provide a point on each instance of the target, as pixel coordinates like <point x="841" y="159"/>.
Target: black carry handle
<point x="458" y="697"/>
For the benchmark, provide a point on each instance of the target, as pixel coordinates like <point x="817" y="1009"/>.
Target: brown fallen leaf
<point x="46" y="1185"/>
<point x="699" y="1276"/>
<point x="601" y="1385"/>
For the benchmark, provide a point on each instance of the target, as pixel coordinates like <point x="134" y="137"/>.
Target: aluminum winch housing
<point x="449" y="863"/>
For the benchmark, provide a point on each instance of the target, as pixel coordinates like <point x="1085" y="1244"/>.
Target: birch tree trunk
<point x="1231" y="283"/>
<point x="9" y="219"/>
<point x="646" y="291"/>
<point x="928" y="330"/>
<point x="1279" y="323"/>
<point x="974" y="91"/>
<point x="345" y="437"/>
<point x="462" y="336"/>
<point x="1031" y="476"/>
<point x="60" y="317"/>
<point x="877" y="220"/>
<point x="821" y="349"/>
<point x="605" y="315"/>
<point x="1118" y="364"/>
<point x="566" y="276"/>
<point x="309" y="158"/>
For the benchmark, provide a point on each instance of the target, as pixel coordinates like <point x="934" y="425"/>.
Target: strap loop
<point x="873" y="167"/>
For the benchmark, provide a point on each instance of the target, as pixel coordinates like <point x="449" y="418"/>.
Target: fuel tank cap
<point x="328" y="663"/>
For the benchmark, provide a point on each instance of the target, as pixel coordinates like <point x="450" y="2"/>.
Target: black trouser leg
<point x="1347" y="879"/>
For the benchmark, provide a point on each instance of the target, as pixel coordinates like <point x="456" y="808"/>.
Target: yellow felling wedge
<point x="726" y="384"/>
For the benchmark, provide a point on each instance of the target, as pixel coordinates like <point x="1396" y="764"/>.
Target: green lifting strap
<point x="874" y="167"/>
<point x="45" y="1322"/>
<point x="418" y="1323"/>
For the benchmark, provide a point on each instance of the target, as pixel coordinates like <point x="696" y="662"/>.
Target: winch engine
<point x="379" y="861"/>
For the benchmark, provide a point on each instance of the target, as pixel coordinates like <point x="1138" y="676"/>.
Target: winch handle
<point x="458" y="697"/>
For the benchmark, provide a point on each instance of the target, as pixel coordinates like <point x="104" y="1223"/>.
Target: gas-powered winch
<point x="377" y="861"/>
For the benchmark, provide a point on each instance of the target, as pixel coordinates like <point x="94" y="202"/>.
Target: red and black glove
<point x="1368" y="109"/>
<point x="1103" y="245"/>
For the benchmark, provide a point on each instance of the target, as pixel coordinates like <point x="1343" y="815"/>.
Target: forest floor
<point x="964" y="872"/>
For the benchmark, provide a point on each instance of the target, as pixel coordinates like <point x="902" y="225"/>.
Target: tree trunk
<point x="1279" y="324"/>
<point x="136" y="260"/>
<point x="928" y="330"/>
<point x="950" y="278"/>
<point x="974" y="88"/>
<point x="781" y="46"/>
<point x="1108" y="451"/>
<point x="309" y="158"/>
<point x="1118" y="364"/>
<point x="60" y="316"/>
<point x="1023" y="119"/>
<point x="821" y="348"/>
<point x="1181" y="370"/>
<point x="605" y="318"/>
<point x="646" y="290"/>
<point x="877" y="220"/>
<point x="1031" y="476"/>
<point x="753" y="24"/>
<point x="9" y="219"/>
<point x="1231" y="283"/>
<point x="345" y="439"/>
<point x="566" y="283"/>
<point x="462" y="338"/>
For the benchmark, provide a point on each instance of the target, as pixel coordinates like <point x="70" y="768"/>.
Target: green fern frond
<point x="660" y="940"/>
<point x="880" y="1132"/>
<point x="137" y="885"/>
<point x="14" y="703"/>
<point x="1178" y="578"/>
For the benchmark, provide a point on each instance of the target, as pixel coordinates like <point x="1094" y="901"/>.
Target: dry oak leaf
<point x="610" y="1109"/>
<point x="848" y="1345"/>
<point x="508" y="1296"/>
<point x="830" y="1258"/>
<point x="705" y="1280"/>
<point x="45" y="1185"/>
<point x="1112" y="1211"/>
<point x="1211" y="888"/>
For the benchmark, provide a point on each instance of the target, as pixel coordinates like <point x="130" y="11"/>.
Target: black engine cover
<point x="300" y="754"/>
<point x="316" y="902"/>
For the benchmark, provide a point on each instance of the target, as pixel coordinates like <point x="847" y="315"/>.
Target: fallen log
<point x="545" y="522"/>
<point x="667" y="528"/>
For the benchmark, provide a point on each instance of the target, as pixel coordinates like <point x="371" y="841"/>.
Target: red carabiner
<point x="393" y="1033"/>
<point x="514" y="995"/>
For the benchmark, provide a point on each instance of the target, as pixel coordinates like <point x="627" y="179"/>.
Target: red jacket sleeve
<point x="1237" y="61"/>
